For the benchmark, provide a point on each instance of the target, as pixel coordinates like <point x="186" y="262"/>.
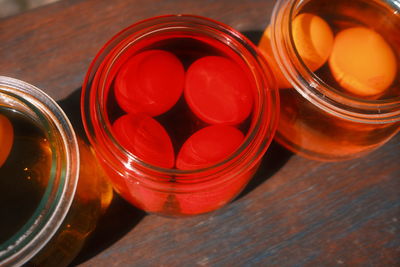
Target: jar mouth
<point x="60" y="189"/>
<point x="311" y="86"/>
<point x="96" y="83"/>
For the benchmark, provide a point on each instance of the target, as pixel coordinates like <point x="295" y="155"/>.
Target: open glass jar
<point x="171" y="190"/>
<point x="49" y="204"/>
<point x="349" y="105"/>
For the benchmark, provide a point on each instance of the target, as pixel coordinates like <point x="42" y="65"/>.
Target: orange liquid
<point x="92" y="197"/>
<point x="316" y="134"/>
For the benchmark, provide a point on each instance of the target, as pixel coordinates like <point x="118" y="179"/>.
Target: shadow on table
<point x="253" y="36"/>
<point x="119" y="218"/>
<point x="275" y="158"/>
<point x="276" y="155"/>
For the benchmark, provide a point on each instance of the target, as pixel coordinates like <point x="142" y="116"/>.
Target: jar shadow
<point x="120" y="216"/>
<point x="275" y="157"/>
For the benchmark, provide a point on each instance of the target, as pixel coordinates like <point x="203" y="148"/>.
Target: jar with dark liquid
<point x="49" y="201"/>
<point x="348" y="103"/>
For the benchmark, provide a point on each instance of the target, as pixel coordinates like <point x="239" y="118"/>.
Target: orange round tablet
<point x="313" y="39"/>
<point x="6" y="138"/>
<point x="362" y="62"/>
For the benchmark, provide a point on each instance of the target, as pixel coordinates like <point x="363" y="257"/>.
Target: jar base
<point x="313" y="155"/>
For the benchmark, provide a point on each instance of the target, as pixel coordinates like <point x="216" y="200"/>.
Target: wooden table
<point x="295" y="212"/>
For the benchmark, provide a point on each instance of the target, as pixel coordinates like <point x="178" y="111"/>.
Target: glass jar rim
<point x="314" y="89"/>
<point x="204" y="25"/>
<point x="60" y="189"/>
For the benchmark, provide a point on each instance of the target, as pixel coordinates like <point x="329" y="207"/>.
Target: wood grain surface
<point x="295" y="212"/>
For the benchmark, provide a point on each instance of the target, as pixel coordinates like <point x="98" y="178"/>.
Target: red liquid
<point x="171" y="195"/>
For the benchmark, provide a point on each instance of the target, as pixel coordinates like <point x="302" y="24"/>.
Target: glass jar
<point x="319" y="119"/>
<point x="171" y="191"/>
<point x="49" y="203"/>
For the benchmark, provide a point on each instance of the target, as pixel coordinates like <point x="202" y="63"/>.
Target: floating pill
<point x="218" y="91"/>
<point x="208" y="146"/>
<point x="146" y="138"/>
<point x="150" y="82"/>
<point x="362" y="62"/>
<point x="6" y="138"/>
<point x="313" y="39"/>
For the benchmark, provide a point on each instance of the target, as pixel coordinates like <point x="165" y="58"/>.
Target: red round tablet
<point x="151" y="82"/>
<point x="218" y="91"/>
<point x="208" y="146"/>
<point x="146" y="138"/>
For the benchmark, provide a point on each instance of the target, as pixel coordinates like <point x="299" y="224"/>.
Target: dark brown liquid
<point x="23" y="180"/>
<point x="24" y="174"/>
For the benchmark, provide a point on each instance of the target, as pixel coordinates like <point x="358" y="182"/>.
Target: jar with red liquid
<point x="337" y="64"/>
<point x="180" y="110"/>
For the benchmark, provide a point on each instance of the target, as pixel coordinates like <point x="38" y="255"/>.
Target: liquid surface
<point x="217" y="91"/>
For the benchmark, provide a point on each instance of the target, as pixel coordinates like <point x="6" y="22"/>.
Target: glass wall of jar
<point x="182" y="160"/>
<point x="337" y="64"/>
<point x="47" y="211"/>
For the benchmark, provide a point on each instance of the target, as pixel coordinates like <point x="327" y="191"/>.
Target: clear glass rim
<point x="310" y="86"/>
<point x="60" y="190"/>
<point x="264" y="125"/>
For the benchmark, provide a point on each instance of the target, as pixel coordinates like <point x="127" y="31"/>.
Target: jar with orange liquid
<point x="49" y="202"/>
<point x="337" y="66"/>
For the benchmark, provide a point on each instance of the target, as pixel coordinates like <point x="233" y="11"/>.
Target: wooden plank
<point x="52" y="47"/>
<point x="301" y="213"/>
